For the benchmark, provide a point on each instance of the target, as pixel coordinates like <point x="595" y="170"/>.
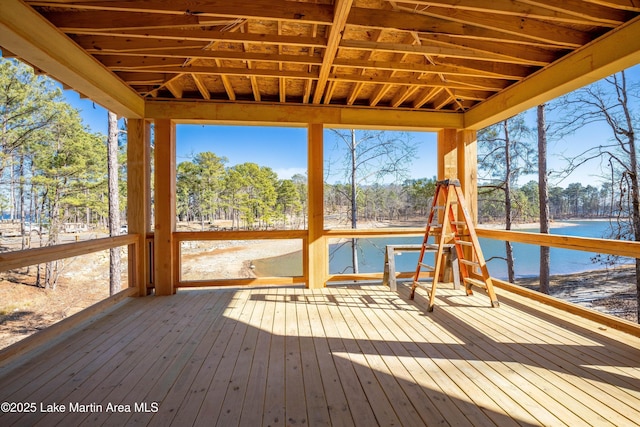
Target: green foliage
<point x="248" y="194"/>
<point x="574" y="201"/>
<point x="52" y="168"/>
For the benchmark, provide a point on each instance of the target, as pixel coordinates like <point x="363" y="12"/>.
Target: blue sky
<point x="284" y="149"/>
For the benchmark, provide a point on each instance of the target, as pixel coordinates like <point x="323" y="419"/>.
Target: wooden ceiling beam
<point x="353" y="95"/>
<point x="584" y="9"/>
<point x="210" y="54"/>
<point x="108" y="20"/>
<point x="436" y="51"/>
<point x="630" y="5"/>
<point x="7" y="54"/>
<point x="175" y="90"/>
<point x="471" y="24"/>
<point x="279" y="10"/>
<point x="426" y="68"/>
<point x="202" y="88"/>
<point x="241" y="72"/>
<point x="488" y="84"/>
<point x="568" y="11"/>
<point x="513" y="53"/>
<point x="378" y="94"/>
<point x="200" y="112"/>
<point x="142" y="78"/>
<point x="175" y="59"/>
<point x="617" y="50"/>
<point x="110" y="44"/>
<point x="425" y="96"/>
<point x="402" y="95"/>
<point x="51" y="51"/>
<point x="340" y="15"/>
<point x="409" y="21"/>
<point x="128" y="62"/>
<point x="206" y="36"/>
<point x="533" y="29"/>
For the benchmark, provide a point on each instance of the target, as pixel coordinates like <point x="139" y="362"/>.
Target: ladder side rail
<point x="446" y="229"/>
<point x="425" y="240"/>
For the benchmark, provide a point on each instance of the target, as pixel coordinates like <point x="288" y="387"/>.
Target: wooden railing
<point x="605" y="246"/>
<point x="33" y="256"/>
<point x="18" y="259"/>
<point x="184" y="236"/>
<point x="588" y="244"/>
<point x="27" y="257"/>
<point x="368" y="233"/>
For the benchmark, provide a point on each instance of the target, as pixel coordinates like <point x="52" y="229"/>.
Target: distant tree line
<point x="381" y="202"/>
<point x="573" y="201"/>
<point x="247" y="195"/>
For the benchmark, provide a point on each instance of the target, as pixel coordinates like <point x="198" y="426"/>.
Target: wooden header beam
<point x="609" y="54"/>
<point x="301" y="115"/>
<point x="31" y="37"/>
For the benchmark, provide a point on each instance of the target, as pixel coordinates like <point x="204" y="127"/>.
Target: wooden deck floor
<point x="346" y="356"/>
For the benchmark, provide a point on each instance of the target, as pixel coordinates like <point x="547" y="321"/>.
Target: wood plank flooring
<point x="339" y="356"/>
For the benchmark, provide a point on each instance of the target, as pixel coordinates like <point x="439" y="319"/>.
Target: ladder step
<point x="427" y="266"/>
<point x="476" y="282"/>
<point x="450" y="228"/>
<point x="470" y="263"/>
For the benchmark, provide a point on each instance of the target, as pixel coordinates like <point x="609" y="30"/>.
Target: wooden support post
<point x="468" y="170"/>
<point x="447" y="154"/>
<point x="318" y="261"/>
<point x="164" y="257"/>
<point x="458" y="159"/>
<point x="139" y="200"/>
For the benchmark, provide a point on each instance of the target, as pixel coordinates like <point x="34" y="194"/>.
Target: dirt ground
<point x="610" y="291"/>
<point x="26" y="308"/>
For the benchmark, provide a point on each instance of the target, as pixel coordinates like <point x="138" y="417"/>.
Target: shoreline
<point x="608" y="290"/>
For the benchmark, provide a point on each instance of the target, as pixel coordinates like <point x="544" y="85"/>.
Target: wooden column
<point x="139" y="200"/>
<point x="458" y="159"/>
<point x="318" y="261"/>
<point x="468" y="169"/>
<point x="165" y="262"/>
<point x="447" y="154"/>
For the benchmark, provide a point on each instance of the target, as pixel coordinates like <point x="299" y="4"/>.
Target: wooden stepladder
<point x="446" y="228"/>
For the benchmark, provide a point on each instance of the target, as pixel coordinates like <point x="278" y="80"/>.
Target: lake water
<point x="527" y="257"/>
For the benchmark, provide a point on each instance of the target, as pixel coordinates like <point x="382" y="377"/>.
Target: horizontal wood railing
<point x="186" y="236"/>
<point x="33" y="256"/>
<point x="27" y="257"/>
<point x="587" y="244"/>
